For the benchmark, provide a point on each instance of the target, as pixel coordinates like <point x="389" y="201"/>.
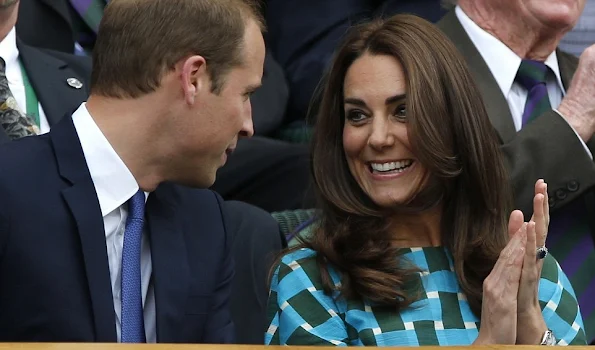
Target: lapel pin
<point x="74" y="82"/>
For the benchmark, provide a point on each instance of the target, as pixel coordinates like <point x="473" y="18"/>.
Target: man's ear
<point x="194" y="72"/>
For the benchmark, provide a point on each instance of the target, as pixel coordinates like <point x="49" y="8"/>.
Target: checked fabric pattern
<point x="300" y="313"/>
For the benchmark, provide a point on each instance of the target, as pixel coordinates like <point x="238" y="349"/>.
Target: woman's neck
<point x="417" y="230"/>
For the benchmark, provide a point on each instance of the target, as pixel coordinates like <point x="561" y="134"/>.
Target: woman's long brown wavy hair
<point x="450" y="134"/>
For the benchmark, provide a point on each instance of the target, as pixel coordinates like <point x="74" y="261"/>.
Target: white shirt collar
<point x="502" y="61"/>
<point x="114" y="183"/>
<point x="10" y="53"/>
<point x="8" y="48"/>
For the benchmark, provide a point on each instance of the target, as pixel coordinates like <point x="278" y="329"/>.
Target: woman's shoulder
<point x="297" y="259"/>
<point x="300" y="267"/>
<point x="299" y="255"/>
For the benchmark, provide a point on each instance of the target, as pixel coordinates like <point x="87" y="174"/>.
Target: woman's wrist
<point x="532" y="330"/>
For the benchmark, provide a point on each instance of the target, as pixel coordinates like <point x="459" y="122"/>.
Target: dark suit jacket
<point x="257" y="242"/>
<point x="46" y="24"/>
<point x="54" y="274"/>
<point x="546" y="148"/>
<point x="48" y="71"/>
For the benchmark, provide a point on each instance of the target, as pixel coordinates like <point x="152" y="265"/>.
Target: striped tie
<point x="569" y="237"/>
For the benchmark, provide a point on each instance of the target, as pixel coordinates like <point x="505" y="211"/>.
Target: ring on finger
<point x="541" y="252"/>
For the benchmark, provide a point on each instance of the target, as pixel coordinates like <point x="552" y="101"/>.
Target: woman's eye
<point x="355" y="116"/>
<point x="401" y="112"/>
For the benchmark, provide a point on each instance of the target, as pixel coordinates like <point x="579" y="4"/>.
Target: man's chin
<point x="199" y="183"/>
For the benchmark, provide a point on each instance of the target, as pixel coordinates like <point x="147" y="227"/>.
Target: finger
<point x="538" y="184"/>
<point x="537" y="190"/>
<point x="531" y="268"/>
<point x="515" y="267"/>
<point x="508" y="256"/>
<point x="515" y="222"/>
<point x="546" y="205"/>
<point x="504" y="279"/>
<point x="531" y="245"/>
<point x="539" y="219"/>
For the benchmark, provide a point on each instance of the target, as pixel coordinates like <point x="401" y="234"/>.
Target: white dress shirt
<point x="504" y="65"/>
<point x="115" y="185"/>
<point x="10" y="53"/>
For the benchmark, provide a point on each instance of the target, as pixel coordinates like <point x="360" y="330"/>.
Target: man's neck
<point x="128" y="126"/>
<point x="8" y="19"/>
<point x="526" y="39"/>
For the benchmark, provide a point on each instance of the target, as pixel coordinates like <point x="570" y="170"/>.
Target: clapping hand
<point x="510" y="309"/>
<point x="528" y="309"/>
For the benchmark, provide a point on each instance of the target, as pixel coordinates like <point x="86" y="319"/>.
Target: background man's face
<point x="7" y="3"/>
<point x="554" y="14"/>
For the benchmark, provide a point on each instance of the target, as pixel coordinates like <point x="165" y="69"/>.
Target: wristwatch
<point x="548" y="338"/>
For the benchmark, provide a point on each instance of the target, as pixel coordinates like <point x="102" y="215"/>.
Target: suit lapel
<point x="170" y="264"/>
<point x="84" y="206"/>
<point x="494" y="101"/>
<point x="61" y="7"/>
<point x="48" y="77"/>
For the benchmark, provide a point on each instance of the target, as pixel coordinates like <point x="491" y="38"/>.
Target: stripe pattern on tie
<point x="531" y="76"/>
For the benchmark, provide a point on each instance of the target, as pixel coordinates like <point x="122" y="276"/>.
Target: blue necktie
<point x="132" y="320"/>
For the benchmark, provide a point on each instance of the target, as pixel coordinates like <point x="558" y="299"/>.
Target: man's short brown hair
<point x="140" y="40"/>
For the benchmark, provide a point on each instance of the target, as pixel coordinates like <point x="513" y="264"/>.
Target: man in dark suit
<point x="45" y="84"/>
<point x="262" y="168"/>
<point x="102" y="236"/>
<point x="540" y="100"/>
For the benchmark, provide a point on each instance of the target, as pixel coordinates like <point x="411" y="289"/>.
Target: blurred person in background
<point x="540" y="101"/>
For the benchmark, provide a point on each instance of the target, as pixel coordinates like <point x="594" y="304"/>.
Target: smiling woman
<point x="375" y="135"/>
<point x="416" y="243"/>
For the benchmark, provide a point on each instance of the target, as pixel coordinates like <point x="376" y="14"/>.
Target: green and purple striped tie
<point x="569" y="237"/>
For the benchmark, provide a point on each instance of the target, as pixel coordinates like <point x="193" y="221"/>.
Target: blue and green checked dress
<point x="300" y="313"/>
